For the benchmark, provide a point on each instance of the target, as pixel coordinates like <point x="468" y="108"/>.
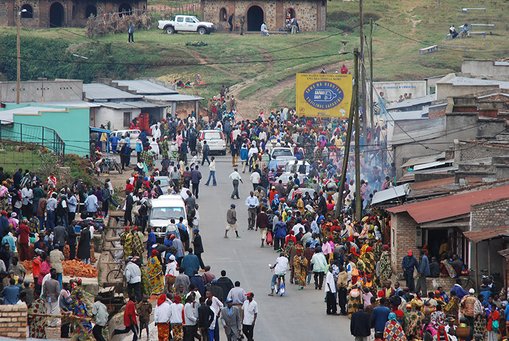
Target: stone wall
<point x="13" y="321"/>
<point x="310" y="14"/>
<point x="74" y="11"/>
<point x="403" y="238"/>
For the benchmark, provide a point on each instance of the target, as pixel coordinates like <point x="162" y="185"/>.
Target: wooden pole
<point x="18" y="52"/>
<point x="358" y="200"/>
<point x="371" y="99"/>
<point x="339" y="205"/>
<point x="362" y="87"/>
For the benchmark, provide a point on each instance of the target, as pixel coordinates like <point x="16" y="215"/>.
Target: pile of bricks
<point x="13" y="321"/>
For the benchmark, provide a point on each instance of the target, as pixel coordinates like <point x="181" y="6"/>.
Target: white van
<point x="162" y="210"/>
<point x="133" y="135"/>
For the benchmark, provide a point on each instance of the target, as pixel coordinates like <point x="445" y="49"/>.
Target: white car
<point x="133" y="135"/>
<point x="281" y="153"/>
<point x="215" y="139"/>
<point x="186" y="23"/>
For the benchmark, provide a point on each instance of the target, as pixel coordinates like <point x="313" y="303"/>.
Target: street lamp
<point x="18" y="48"/>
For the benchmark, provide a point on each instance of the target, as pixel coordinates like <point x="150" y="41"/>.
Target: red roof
<point x="485" y="234"/>
<point x="450" y="206"/>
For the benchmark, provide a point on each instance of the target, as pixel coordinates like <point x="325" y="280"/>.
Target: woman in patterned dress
<point x="393" y="330"/>
<point x="300" y="266"/>
<point x="37" y="324"/>
<point x="155" y="274"/>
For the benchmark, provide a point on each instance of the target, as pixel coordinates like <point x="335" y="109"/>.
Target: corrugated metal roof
<point x="174" y="98"/>
<point x="143" y="104"/>
<point x="7" y="116"/>
<point x="145" y="87"/>
<point x="451" y="205"/>
<point x="485" y="234"/>
<point x="103" y="92"/>
<point x="390" y="193"/>
<point x="419" y="130"/>
<point x="423" y="159"/>
<point x="130" y="105"/>
<point x="469" y="81"/>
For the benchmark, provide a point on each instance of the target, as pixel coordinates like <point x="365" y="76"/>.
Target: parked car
<point x="162" y="210"/>
<point x="186" y="23"/>
<point x="215" y="139"/>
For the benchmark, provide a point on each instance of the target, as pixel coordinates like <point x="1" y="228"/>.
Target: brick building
<point x="310" y="14"/>
<point x="447" y="219"/>
<point x="57" y="13"/>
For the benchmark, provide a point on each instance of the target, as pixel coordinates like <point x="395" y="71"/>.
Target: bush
<point x="113" y="23"/>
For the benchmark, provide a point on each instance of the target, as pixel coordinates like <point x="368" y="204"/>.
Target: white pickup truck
<point x="186" y="23"/>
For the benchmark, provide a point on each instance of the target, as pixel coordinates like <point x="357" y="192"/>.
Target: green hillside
<point x="258" y="63"/>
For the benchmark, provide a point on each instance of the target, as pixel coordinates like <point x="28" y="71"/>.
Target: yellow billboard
<point x="323" y="95"/>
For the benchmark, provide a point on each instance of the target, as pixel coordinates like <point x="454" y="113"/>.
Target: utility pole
<point x="346" y="156"/>
<point x="371" y="99"/>
<point x="362" y="77"/>
<point x="18" y="51"/>
<point x="358" y="200"/>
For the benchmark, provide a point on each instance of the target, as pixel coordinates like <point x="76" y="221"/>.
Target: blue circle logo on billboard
<point x="323" y="95"/>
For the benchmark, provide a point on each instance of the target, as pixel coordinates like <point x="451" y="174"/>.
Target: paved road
<point x="298" y="316"/>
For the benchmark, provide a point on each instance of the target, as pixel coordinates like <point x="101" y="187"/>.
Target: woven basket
<point x="463" y="332"/>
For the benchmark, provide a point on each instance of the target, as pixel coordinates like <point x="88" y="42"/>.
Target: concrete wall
<point x="449" y="90"/>
<point x="74" y="11"/>
<point x="114" y="116"/>
<point x="310" y="14"/>
<point x="392" y="90"/>
<point x="461" y="126"/>
<point x="43" y="91"/>
<point x="486" y="69"/>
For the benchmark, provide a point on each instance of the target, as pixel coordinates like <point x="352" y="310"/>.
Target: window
<point x="188" y="19"/>
<point x="222" y="14"/>
<point x="27" y="12"/>
<point x="127" y="119"/>
<point x="180" y="19"/>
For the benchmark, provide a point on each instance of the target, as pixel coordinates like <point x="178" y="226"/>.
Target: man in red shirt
<point x="23" y="232"/>
<point x="130" y="321"/>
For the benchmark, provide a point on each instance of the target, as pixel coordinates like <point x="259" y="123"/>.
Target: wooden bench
<point x="474" y="33"/>
<point x="467" y="9"/>
<point x="429" y="49"/>
<point x="483" y="25"/>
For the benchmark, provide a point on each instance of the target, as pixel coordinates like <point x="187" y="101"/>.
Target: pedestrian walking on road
<point x="236" y="178"/>
<point x="212" y="172"/>
<point x="205" y="153"/>
<point x="252" y="204"/>
<point x="255" y="178"/>
<point x="230" y="318"/>
<point x="231" y="221"/>
<point x="360" y="324"/>
<point x="195" y="180"/>
<point x="250" y="308"/>
<point x="198" y="247"/>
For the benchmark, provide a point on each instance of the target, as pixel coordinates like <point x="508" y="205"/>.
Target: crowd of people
<point x="302" y="217"/>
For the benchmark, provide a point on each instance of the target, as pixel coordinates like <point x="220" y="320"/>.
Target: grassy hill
<point x="260" y="67"/>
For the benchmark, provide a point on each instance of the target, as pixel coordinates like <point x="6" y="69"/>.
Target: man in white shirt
<point x="237" y="295"/>
<point x="190" y="318"/>
<point x="212" y="172"/>
<point x="255" y="179"/>
<point x="280" y="268"/>
<point x="100" y="313"/>
<point x="132" y="275"/>
<point x="252" y="204"/>
<point x="330" y="293"/>
<point x="236" y="178"/>
<point x="250" y="309"/>
<point x="216" y="306"/>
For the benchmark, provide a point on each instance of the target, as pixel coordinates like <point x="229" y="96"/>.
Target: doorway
<point x="91" y="10"/>
<point x="125" y="9"/>
<point x="254" y="18"/>
<point x="56" y="15"/>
